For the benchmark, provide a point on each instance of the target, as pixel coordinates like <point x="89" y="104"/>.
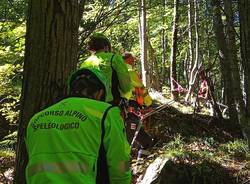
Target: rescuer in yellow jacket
<point x="139" y="92"/>
<point x="138" y="98"/>
<point x="79" y="139"/>
<point x="110" y="64"/>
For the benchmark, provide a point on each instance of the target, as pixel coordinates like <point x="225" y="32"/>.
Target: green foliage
<point x="11" y="43"/>
<point x="175" y="148"/>
<point x="120" y="20"/>
<point x="159" y="20"/>
<point x="205" y="160"/>
<point x="13" y="10"/>
<point x="197" y="149"/>
<point x="11" y="67"/>
<point x="10" y="90"/>
<point x="7" y="153"/>
<point x="10" y="76"/>
<point x="177" y="143"/>
<point x="236" y="148"/>
<point x="99" y="17"/>
<point x="8" y="143"/>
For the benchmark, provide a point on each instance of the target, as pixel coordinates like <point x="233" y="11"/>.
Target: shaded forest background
<point x="173" y="40"/>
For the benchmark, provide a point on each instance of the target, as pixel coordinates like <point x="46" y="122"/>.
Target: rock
<point x="153" y="171"/>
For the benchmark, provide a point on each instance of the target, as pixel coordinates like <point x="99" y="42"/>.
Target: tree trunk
<point x="155" y="82"/>
<point x="164" y="56"/>
<point x="50" y="56"/>
<point x="173" y="75"/>
<point x="236" y="81"/>
<point x="194" y="71"/>
<point x="244" y="6"/>
<point x="190" y="36"/>
<point x="185" y="65"/>
<point x="164" y="46"/>
<point x="215" y="106"/>
<point x="224" y="62"/>
<point x="4" y="126"/>
<point x="143" y="43"/>
<point x="81" y="8"/>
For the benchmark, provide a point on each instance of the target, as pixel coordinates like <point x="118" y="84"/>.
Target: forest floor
<point x="7" y="162"/>
<point x="199" y="149"/>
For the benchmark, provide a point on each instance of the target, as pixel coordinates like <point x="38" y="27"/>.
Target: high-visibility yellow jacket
<point x="63" y="143"/>
<point x="102" y="61"/>
<point x="138" y="92"/>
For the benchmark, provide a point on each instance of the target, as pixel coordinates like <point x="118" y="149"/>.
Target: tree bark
<point x="190" y="36"/>
<point x="244" y="6"/>
<point x="81" y="8"/>
<point x="4" y="126"/>
<point x="164" y="56"/>
<point x="194" y="71"/>
<point x="50" y="56"/>
<point x="224" y="62"/>
<point x="155" y="82"/>
<point x="215" y="106"/>
<point x="143" y="43"/>
<point x="164" y="46"/>
<point x="173" y="74"/>
<point x="236" y="81"/>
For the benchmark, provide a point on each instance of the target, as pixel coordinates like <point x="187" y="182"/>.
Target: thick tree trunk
<point x="223" y="56"/>
<point x="236" y="81"/>
<point x="244" y="6"/>
<point x="50" y="56"/>
<point x="173" y="74"/>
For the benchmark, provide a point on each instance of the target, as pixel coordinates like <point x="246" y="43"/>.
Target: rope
<point x="179" y="88"/>
<point x="143" y="117"/>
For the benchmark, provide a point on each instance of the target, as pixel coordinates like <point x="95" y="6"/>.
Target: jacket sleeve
<point x="146" y="98"/>
<point x="122" y="72"/>
<point x="135" y="80"/>
<point x="117" y="148"/>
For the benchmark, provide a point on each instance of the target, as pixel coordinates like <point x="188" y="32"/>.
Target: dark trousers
<point x="143" y="138"/>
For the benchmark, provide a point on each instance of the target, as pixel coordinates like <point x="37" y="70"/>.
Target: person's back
<point x="138" y="92"/>
<point x="110" y="64"/>
<point x="137" y="99"/>
<point x="64" y="143"/>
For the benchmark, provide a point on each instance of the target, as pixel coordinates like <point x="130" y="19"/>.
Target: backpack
<point x="102" y="175"/>
<point x="115" y="85"/>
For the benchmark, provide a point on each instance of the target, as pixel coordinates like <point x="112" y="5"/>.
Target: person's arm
<point x="135" y="80"/>
<point x="117" y="148"/>
<point x="147" y="98"/>
<point x="122" y="72"/>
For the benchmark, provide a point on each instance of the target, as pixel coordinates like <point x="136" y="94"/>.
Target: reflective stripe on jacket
<point x="63" y="142"/>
